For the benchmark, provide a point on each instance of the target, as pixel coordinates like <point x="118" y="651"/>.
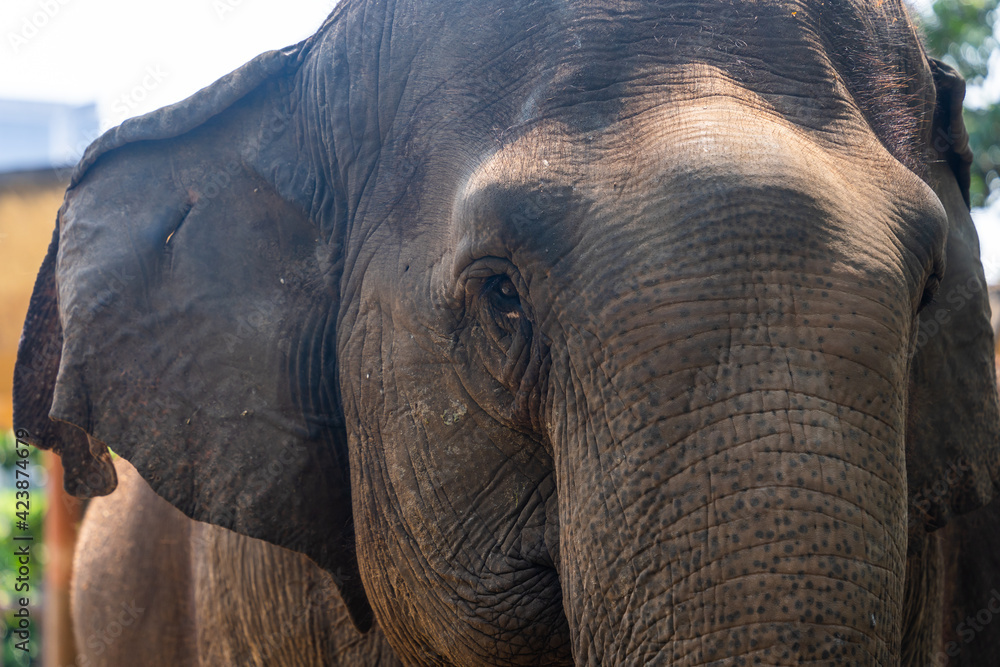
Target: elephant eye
<point x="502" y="295"/>
<point x="930" y="291"/>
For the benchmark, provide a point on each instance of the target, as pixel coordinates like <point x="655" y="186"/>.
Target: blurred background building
<point x="39" y="136"/>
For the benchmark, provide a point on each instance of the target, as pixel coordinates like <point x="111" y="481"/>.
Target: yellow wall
<point x="27" y="218"/>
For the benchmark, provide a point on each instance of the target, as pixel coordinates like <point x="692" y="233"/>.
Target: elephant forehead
<point x="721" y="129"/>
<point x="670" y="154"/>
<point x="583" y="61"/>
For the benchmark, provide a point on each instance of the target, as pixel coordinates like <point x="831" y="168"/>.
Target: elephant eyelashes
<point x="500" y="334"/>
<point x="930" y="291"/>
<point x="502" y="296"/>
<point x="501" y="318"/>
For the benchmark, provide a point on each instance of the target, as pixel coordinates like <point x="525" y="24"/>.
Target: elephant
<point x="557" y="331"/>
<point x="196" y="594"/>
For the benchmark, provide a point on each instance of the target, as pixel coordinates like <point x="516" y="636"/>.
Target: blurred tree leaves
<point x="961" y="33"/>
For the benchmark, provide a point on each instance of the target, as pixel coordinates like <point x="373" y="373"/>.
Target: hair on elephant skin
<point x="558" y="331"/>
<point x="152" y="587"/>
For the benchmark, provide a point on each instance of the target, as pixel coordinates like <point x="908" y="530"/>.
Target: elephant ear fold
<point x="87" y="473"/>
<point x="953" y="424"/>
<point x="186" y="318"/>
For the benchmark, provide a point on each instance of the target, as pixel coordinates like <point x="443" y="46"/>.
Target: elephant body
<point x="152" y="587"/>
<point x="558" y="332"/>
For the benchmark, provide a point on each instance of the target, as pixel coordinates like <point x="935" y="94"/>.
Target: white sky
<point x="133" y="56"/>
<point x="106" y="50"/>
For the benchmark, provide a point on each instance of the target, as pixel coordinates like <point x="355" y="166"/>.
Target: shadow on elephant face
<point x="536" y="352"/>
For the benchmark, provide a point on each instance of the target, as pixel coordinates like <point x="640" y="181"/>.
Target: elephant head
<point x="558" y="331"/>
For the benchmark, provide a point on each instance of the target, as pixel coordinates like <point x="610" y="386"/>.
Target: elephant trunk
<point x="731" y="474"/>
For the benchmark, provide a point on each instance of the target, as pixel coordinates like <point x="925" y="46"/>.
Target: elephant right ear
<point x="953" y="425"/>
<point x="186" y="317"/>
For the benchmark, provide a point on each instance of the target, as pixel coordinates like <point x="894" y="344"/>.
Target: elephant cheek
<point x="751" y="506"/>
<point x="450" y="513"/>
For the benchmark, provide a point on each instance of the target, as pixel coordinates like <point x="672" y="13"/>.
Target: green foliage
<point x="984" y="133"/>
<point x="8" y="564"/>
<point x="961" y="32"/>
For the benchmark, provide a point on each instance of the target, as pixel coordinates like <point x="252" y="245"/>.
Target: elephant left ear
<point x="186" y="317"/>
<point x="953" y="423"/>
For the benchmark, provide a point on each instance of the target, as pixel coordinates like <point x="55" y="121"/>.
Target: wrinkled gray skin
<point x="564" y="331"/>
<point x="152" y="587"/>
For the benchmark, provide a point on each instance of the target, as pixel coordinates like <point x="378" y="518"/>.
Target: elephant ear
<point x="185" y="317"/>
<point x="87" y="473"/>
<point x="953" y="425"/>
